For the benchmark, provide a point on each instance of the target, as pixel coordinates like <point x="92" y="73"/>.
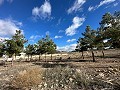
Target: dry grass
<point x="27" y="78"/>
<point x="65" y="78"/>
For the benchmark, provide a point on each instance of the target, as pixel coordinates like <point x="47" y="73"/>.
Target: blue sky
<point x="63" y="20"/>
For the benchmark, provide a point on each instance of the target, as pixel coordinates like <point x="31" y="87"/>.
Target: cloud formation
<point x="115" y="4"/>
<point x="77" y="6"/>
<point x="67" y="48"/>
<point x="2" y="1"/>
<point x="44" y="11"/>
<point x="101" y="4"/>
<point x="34" y="37"/>
<point x="71" y="40"/>
<point x="90" y="8"/>
<point x="77" y="22"/>
<point x="8" y="27"/>
<point x="105" y="2"/>
<point x="56" y="37"/>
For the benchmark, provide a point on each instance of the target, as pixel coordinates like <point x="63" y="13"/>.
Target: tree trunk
<point x="51" y="56"/>
<point x="39" y="56"/>
<point x="31" y="58"/>
<point x="28" y="57"/>
<point x="103" y="54"/>
<point x="15" y="57"/>
<point x="61" y="57"/>
<point x="12" y="59"/>
<point x="45" y="56"/>
<point x="82" y="55"/>
<point x="93" y="56"/>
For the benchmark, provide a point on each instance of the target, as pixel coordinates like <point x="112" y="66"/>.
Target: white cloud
<point x="1" y="2"/>
<point x="101" y="4"/>
<point x="115" y="4"/>
<point x="3" y="38"/>
<point x="71" y="40"/>
<point x="77" y="22"/>
<point x="44" y="11"/>
<point x="67" y="48"/>
<point x="34" y="37"/>
<point x="90" y="8"/>
<point x="58" y="37"/>
<point x="61" y="31"/>
<point x="47" y="33"/>
<point x="8" y="27"/>
<point x="10" y="1"/>
<point x="77" y="6"/>
<point x="105" y="2"/>
<point x="59" y="21"/>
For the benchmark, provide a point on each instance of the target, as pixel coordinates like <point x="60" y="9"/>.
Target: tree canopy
<point x="15" y="45"/>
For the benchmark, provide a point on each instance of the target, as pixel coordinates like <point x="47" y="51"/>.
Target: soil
<point x="107" y="69"/>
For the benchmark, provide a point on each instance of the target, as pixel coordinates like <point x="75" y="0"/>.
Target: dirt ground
<point x="107" y="68"/>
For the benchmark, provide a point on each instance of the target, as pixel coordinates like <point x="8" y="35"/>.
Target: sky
<point x="63" y="20"/>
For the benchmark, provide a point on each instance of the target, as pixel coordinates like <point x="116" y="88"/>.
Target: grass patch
<point x="27" y="79"/>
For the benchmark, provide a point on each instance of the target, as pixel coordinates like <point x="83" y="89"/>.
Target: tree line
<point x="106" y="36"/>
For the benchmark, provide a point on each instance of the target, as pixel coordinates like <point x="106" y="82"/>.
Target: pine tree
<point x="88" y="41"/>
<point x="46" y="45"/>
<point x="30" y="50"/>
<point x="81" y="46"/>
<point x="2" y="48"/>
<point x="110" y="26"/>
<point x="15" y="45"/>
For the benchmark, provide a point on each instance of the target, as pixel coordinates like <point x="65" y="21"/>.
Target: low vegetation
<point x="27" y="79"/>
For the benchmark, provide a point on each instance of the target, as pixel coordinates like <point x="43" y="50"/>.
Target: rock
<point x="101" y="75"/>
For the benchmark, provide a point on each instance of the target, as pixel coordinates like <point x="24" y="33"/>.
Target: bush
<point x="27" y="78"/>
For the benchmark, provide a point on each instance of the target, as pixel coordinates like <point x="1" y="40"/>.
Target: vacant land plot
<point x="65" y="74"/>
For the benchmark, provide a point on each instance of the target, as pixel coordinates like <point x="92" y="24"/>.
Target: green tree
<point x="88" y="41"/>
<point x="46" y="45"/>
<point x="30" y="50"/>
<point x="15" y="45"/>
<point x="110" y="27"/>
<point x="2" y="48"/>
<point x="81" y="46"/>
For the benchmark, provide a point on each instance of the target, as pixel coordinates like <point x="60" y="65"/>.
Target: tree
<point x="113" y="32"/>
<point x="2" y="48"/>
<point x="81" y="46"/>
<point x="110" y="26"/>
<point x="88" y="40"/>
<point x="15" y="45"/>
<point x="100" y="44"/>
<point x="30" y="50"/>
<point x="46" y="45"/>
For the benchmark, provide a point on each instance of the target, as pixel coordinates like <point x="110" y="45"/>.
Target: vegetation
<point x="27" y="79"/>
<point x="109" y="30"/>
<point x="30" y="50"/>
<point x="16" y="44"/>
<point x="2" y="49"/>
<point x="46" y="45"/>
